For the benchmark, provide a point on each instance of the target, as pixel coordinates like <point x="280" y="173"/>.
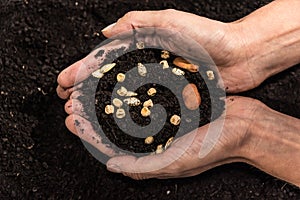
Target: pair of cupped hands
<point x="226" y="45"/>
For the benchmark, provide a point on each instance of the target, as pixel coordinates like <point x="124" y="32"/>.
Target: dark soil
<point x="133" y="140"/>
<point x="40" y="159"/>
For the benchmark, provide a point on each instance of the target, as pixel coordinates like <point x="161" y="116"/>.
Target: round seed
<point x="159" y="149"/>
<point x="109" y="109"/>
<point x="149" y="140"/>
<point x="165" y="64"/>
<point x="140" y="45"/>
<point x="165" y="54"/>
<point x="122" y="91"/>
<point x="121" y="77"/>
<point x="145" y="112"/>
<point x="117" y="102"/>
<point x="151" y="92"/>
<point x="210" y="74"/>
<point x="120" y="113"/>
<point x="148" y="103"/>
<point x="191" y="97"/>
<point x="175" y="120"/>
<point x="168" y="143"/>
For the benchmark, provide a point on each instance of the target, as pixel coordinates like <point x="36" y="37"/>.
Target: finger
<point x="62" y="92"/>
<point x="74" y="106"/>
<point x="65" y="93"/>
<point x="76" y="94"/>
<point x="84" y="130"/>
<point x="140" y="19"/>
<point x="81" y="69"/>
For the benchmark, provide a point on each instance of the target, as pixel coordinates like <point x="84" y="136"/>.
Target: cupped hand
<point x="231" y="146"/>
<point x="223" y="42"/>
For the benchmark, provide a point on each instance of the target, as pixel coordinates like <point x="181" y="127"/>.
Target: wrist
<point x="273" y="144"/>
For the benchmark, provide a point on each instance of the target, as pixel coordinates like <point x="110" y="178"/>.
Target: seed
<point x="117" y="102"/>
<point x="109" y="109"/>
<point x="148" y="103"/>
<point x="151" y="92"/>
<point x="121" y="77"/>
<point x="140" y="45"/>
<point x="97" y="74"/>
<point x="107" y="68"/>
<point x="191" y="97"/>
<point x="165" y="54"/>
<point x="142" y="70"/>
<point x="132" y="101"/>
<point x="120" y="113"/>
<point x="168" y="143"/>
<point x="159" y="149"/>
<point x="145" y="112"/>
<point x="149" y="140"/>
<point x="175" y="120"/>
<point x="165" y="64"/>
<point x="178" y="72"/>
<point x="210" y="75"/>
<point x="131" y="94"/>
<point x="184" y="64"/>
<point x="122" y="91"/>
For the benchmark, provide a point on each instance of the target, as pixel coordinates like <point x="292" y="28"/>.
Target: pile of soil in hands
<point x="119" y="130"/>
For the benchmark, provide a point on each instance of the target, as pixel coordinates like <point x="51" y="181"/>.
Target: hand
<point x="223" y="42"/>
<point x="230" y="147"/>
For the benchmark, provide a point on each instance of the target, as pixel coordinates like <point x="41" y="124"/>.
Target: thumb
<point x="140" y="19"/>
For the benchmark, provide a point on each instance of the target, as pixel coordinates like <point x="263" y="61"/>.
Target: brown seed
<point x="184" y="64"/>
<point x="148" y="103"/>
<point x="109" y="109"/>
<point x="175" y="120"/>
<point x="149" y="140"/>
<point x="121" y="77"/>
<point x="165" y="54"/>
<point x="120" y="113"/>
<point x="151" y="92"/>
<point x="145" y="112"/>
<point x="191" y="97"/>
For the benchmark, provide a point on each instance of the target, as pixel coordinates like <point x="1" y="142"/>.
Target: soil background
<point x="40" y="159"/>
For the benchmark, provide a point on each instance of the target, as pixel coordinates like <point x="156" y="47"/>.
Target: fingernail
<point x="108" y="27"/>
<point x="114" y="168"/>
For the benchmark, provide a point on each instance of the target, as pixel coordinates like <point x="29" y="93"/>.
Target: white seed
<point x="122" y="91"/>
<point x="107" y="68"/>
<point x="159" y="149"/>
<point x="120" y="113"/>
<point x="165" y="64"/>
<point x="175" y="120"/>
<point x="142" y="70"/>
<point x="97" y="74"/>
<point x="121" y="77"/>
<point x="140" y="45"/>
<point x="151" y="92"/>
<point x="117" y="102"/>
<point x="168" y="143"/>
<point x="165" y="54"/>
<point x="148" y="103"/>
<point x="178" y="72"/>
<point x="149" y="140"/>
<point x="131" y="94"/>
<point x="132" y="101"/>
<point x="145" y="112"/>
<point x="210" y="74"/>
